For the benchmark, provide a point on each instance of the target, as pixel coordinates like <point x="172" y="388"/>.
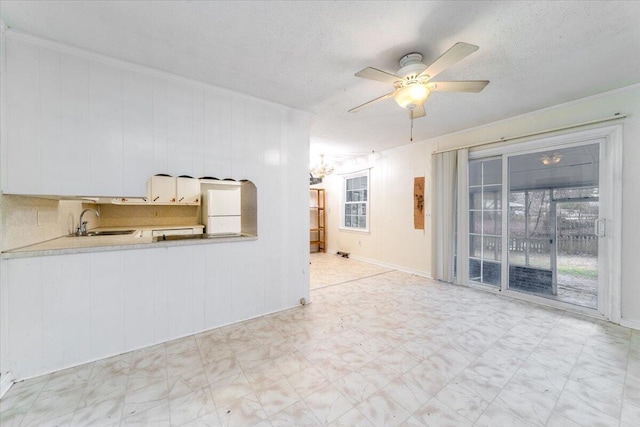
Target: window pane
<point x="493" y="197"/>
<point x="492" y="223"/>
<point x="492" y="248"/>
<point x="475" y="246"/>
<point x="492" y="172"/>
<point x="475" y="222"/>
<point x="475" y="198"/>
<point x="491" y="272"/>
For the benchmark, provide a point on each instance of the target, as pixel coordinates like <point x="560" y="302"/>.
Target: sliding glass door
<point x="532" y="222"/>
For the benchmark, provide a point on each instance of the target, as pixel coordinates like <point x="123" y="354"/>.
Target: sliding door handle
<point x="599" y="227"/>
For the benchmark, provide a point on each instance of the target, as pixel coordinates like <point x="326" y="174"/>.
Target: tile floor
<point x="387" y="349"/>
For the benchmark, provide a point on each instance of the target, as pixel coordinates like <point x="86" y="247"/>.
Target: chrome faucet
<point x="82" y="228"/>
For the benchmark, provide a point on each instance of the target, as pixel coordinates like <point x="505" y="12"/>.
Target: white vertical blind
<point x="444" y="207"/>
<point x="450" y="203"/>
<point x="462" y="271"/>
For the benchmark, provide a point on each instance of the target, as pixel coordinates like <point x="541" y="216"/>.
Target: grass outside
<point x="578" y="271"/>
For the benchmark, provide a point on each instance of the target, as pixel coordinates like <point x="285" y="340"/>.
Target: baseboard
<point x="633" y="324"/>
<point x="6" y="381"/>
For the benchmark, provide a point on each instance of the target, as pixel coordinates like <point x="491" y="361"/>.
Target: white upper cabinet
<point x="161" y="189"/>
<point x="187" y="190"/>
<point x="167" y="189"/>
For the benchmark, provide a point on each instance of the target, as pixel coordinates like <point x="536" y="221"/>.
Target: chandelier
<point x="322" y="169"/>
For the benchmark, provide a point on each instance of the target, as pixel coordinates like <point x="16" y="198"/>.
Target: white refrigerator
<point x="222" y="211"/>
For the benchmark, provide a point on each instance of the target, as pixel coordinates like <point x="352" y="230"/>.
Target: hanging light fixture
<point x="322" y="169"/>
<point x="551" y="159"/>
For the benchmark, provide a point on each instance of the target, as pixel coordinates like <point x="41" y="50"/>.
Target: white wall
<point x="392" y="239"/>
<point x="77" y="123"/>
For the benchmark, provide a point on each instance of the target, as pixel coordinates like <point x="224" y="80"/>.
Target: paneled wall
<point x="82" y="124"/>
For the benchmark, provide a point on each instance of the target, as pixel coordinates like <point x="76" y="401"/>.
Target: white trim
<point x="555" y="141"/>
<point x="633" y="324"/>
<point x="153" y="72"/>
<point x="6" y="381"/>
<point x="532" y="135"/>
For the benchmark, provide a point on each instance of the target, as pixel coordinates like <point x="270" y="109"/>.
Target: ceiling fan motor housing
<point x="411" y="65"/>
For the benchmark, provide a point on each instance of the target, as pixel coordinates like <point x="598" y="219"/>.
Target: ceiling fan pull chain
<point x="411" y="139"/>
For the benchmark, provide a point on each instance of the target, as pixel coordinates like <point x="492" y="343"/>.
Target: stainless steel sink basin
<point x="110" y="233"/>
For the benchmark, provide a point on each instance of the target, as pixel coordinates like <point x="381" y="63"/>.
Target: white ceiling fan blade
<point x="378" y="75"/>
<point x="462" y="86"/>
<point x="417" y="112"/>
<point x="450" y="57"/>
<point x="373" y="101"/>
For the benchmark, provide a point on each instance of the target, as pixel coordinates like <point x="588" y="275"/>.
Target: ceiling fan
<point x="413" y="83"/>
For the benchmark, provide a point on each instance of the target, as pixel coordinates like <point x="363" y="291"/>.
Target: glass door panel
<point x="485" y="221"/>
<point x="540" y="184"/>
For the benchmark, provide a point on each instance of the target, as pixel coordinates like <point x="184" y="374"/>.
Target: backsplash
<point x="28" y="220"/>
<point x="131" y="215"/>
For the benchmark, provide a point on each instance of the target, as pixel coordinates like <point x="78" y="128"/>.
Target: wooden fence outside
<point x="571" y="245"/>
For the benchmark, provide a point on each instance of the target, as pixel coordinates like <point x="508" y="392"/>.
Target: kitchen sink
<point x="110" y="233"/>
<point x="178" y="237"/>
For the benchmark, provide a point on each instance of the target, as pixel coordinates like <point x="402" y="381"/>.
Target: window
<point x="356" y="202"/>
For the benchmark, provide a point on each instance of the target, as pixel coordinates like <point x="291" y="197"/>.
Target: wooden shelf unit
<point x="317" y="218"/>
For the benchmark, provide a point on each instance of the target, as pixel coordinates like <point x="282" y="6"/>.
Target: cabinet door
<point x="163" y="189"/>
<point x="23" y="102"/>
<point x="187" y="190"/>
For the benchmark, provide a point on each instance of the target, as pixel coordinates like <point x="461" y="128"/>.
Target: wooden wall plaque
<point x="418" y="203"/>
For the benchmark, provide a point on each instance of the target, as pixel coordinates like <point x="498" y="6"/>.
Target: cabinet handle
<point x="181" y="199"/>
<point x="156" y="198"/>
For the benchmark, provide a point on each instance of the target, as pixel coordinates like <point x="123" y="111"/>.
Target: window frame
<point x="343" y="202"/>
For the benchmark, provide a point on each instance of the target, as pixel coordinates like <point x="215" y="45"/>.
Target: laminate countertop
<point x="73" y="244"/>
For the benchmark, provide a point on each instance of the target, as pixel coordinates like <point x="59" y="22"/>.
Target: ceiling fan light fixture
<point x="412" y="95"/>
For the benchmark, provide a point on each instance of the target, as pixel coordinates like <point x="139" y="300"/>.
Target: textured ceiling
<point x="303" y="54"/>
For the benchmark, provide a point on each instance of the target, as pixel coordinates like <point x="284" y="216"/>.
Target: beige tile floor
<point x="385" y="350"/>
